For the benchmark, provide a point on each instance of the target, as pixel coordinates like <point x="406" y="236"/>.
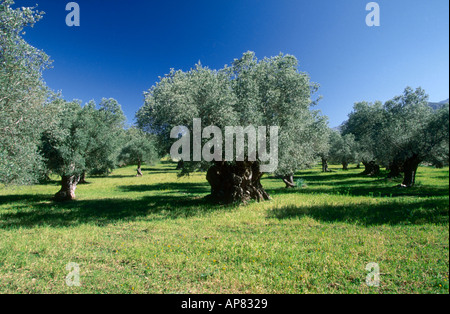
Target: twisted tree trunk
<point x="289" y="181"/>
<point x="68" y="187"/>
<point x="395" y="169"/>
<point x="236" y="183"/>
<point x="410" y="169"/>
<point x="345" y="166"/>
<point x="325" y="165"/>
<point x="139" y="171"/>
<point x="180" y="164"/>
<point x="83" y="178"/>
<point x="371" y="168"/>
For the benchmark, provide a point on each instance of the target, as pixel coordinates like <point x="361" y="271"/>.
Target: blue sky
<point x="122" y="47"/>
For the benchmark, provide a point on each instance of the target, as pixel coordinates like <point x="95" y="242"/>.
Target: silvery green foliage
<point x="179" y="97"/>
<point x="343" y="148"/>
<point x="268" y="92"/>
<point x="411" y="128"/>
<point x="105" y="136"/>
<point x="82" y="139"/>
<point x="138" y="147"/>
<point x="364" y="122"/>
<point x="402" y="128"/>
<point x="22" y="96"/>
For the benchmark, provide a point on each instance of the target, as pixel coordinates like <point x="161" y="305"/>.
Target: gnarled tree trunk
<point x="236" y="183"/>
<point x="371" y="168"/>
<point x="345" y="166"/>
<point x="139" y="170"/>
<point x="68" y="187"/>
<point x="410" y="169"/>
<point x="83" y="178"/>
<point x="395" y="169"/>
<point x="325" y="165"/>
<point x="289" y="181"/>
<point x="180" y="164"/>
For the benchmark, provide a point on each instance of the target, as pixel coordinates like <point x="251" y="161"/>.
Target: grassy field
<point x="158" y="234"/>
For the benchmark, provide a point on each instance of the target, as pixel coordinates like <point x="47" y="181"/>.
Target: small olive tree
<point x="364" y="123"/>
<point x="402" y="133"/>
<point x="343" y="149"/>
<point x="139" y="147"/>
<point x="79" y="140"/>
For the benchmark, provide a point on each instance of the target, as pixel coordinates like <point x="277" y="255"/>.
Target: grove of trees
<point x="42" y="134"/>
<point x="400" y="134"/>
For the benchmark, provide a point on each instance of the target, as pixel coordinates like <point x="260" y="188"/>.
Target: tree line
<point x="42" y="134"/>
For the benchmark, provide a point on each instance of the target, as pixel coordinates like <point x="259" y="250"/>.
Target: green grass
<point x="158" y="234"/>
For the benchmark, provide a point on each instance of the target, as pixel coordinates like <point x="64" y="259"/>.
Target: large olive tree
<point x="251" y="93"/>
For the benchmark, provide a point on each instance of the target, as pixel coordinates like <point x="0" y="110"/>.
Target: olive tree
<point x="412" y="133"/>
<point x="79" y="140"/>
<point x="323" y="151"/>
<point x="106" y="137"/>
<point x="23" y="94"/>
<point x="343" y="149"/>
<point x="139" y="147"/>
<point x="270" y="93"/>
<point x="364" y="122"/>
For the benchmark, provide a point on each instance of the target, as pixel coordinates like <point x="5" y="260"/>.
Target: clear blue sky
<point x="122" y="47"/>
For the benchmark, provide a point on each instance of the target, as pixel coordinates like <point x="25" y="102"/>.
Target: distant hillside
<point x="437" y="105"/>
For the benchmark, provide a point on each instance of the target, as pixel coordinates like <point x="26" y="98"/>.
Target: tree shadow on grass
<point x="366" y="190"/>
<point x="43" y="212"/>
<point x="23" y="198"/>
<point x="113" y="176"/>
<point x="356" y="184"/>
<point x="340" y="176"/>
<point x="396" y="213"/>
<point x="172" y="187"/>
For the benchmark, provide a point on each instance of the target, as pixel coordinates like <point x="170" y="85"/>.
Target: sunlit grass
<point x="157" y="234"/>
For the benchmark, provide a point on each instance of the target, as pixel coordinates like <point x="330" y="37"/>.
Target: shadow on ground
<point x="185" y="199"/>
<point x="31" y="210"/>
<point x="356" y="184"/>
<point x="393" y="213"/>
<point x="172" y="187"/>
